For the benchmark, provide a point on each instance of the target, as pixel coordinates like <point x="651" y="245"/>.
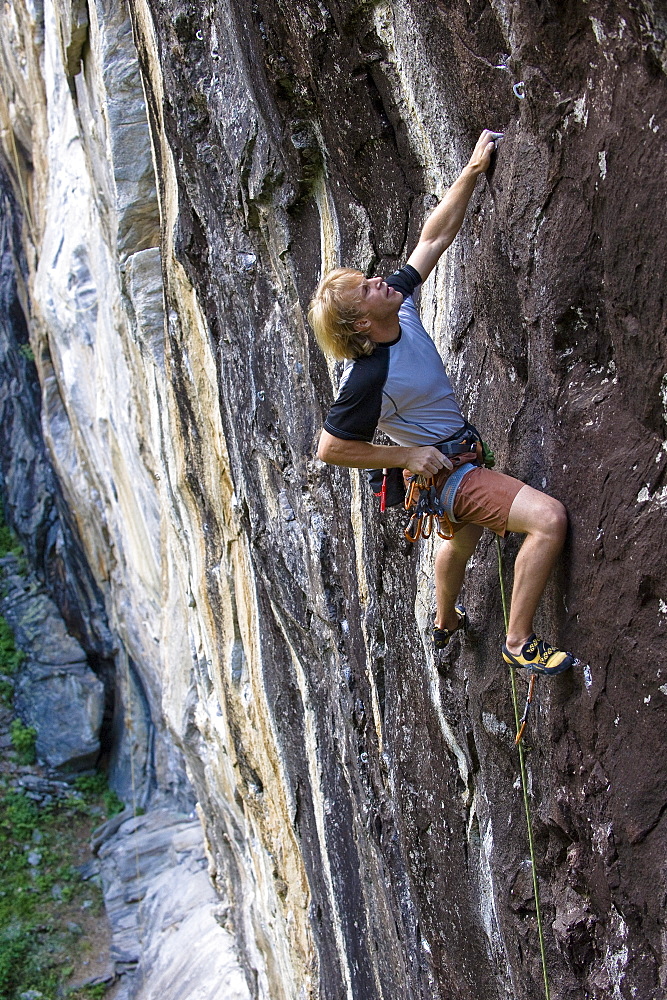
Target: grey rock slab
<point x="47" y="786"/>
<point x="88" y="870"/>
<point x="40" y="631"/>
<point x="187" y="839"/>
<point x="65" y="704"/>
<point x="162" y="908"/>
<point x="188" y="953"/>
<point x="105" y="976"/>
<point x="143" y="286"/>
<point x="106" y="830"/>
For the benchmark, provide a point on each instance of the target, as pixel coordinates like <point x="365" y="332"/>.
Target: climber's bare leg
<point x="450" y="564"/>
<point x="543" y="520"/>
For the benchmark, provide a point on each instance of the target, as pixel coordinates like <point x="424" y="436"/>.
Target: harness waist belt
<point x="457" y="448"/>
<point x="449" y="490"/>
<point x="461" y="442"/>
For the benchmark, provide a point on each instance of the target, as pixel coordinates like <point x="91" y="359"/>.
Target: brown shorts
<point x="485" y="497"/>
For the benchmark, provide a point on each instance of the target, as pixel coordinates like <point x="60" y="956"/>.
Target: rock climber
<point x="395" y="380"/>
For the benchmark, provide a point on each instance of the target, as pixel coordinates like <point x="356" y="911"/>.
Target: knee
<point x="554" y="520"/>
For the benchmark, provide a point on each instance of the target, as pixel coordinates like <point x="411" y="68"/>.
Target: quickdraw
<point x="524" y="718"/>
<point x="427" y="510"/>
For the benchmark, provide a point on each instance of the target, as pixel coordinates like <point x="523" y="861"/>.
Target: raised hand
<point x="481" y="154"/>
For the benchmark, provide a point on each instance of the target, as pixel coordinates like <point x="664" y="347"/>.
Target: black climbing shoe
<point x="538" y="657"/>
<point x="441" y="636"/>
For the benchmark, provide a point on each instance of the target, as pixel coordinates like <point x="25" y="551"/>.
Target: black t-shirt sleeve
<point x="405" y="280"/>
<point x="356" y="411"/>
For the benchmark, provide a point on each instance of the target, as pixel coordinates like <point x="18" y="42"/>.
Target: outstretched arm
<point x="445" y="221"/>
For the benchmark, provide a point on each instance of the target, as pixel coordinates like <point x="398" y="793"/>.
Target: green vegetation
<point x="93" y="992"/>
<point x="27" y="352"/>
<point x="9" y="543"/>
<point x="6" y="692"/>
<point x="95" y="786"/>
<point x="44" y="903"/>
<point x="23" y="741"/>
<point x="7" y="539"/>
<point x="10" y="657"/>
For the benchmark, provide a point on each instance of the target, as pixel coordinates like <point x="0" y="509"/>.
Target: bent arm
<point x="425" y="461"/>
<point x="445" y="221"/>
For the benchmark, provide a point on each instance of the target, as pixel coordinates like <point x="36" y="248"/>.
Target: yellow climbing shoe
<point x="538" y="657"/>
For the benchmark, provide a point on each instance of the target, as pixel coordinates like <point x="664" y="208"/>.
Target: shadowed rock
<point x="56" y="692"/>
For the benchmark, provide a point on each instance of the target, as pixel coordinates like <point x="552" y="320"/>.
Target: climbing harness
<point x="463" y="448"/>
<point x="520" y="727"/>
<point x="452" y="484"/>
<point x="427" y="510"/>
<point x="430" y="499"/>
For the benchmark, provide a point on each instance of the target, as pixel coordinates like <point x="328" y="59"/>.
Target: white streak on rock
<point x="602" y="162"/>
<point x="320" y="808"/>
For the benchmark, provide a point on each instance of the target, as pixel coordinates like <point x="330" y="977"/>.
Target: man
<point x="394" y="379"/>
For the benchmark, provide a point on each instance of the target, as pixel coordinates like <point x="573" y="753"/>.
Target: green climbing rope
<point x="524" y="785"/>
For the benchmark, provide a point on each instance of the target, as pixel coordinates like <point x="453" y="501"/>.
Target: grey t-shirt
<point x="402" y="387"/>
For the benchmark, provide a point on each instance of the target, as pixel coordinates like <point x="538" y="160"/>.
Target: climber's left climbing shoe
<point x="441" y="636"/>
<point x="538" y="657"/>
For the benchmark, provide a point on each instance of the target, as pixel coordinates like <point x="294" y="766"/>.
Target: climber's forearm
<point x="445" y="221"/>
<point x="360" y="454"/>
<point x="443" y="224"/>
<point x="420" y="460"/>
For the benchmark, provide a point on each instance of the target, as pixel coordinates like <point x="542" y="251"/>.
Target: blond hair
<point x="333" y="311"/>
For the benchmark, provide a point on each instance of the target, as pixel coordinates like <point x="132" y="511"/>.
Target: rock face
<point x="55" y="691"/>
<point x="168" y="929"/>
<point x="32" y="499"/>
<point x="361" y="800"/>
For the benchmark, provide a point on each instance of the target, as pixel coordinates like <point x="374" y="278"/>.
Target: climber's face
<point x="379" y="301"/>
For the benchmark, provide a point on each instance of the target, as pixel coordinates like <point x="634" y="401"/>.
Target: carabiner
<point x="410" y="498"/>
<point x="418" y="529"/>
<point x="524" y="718"/>
<point x="445" y="529"/>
